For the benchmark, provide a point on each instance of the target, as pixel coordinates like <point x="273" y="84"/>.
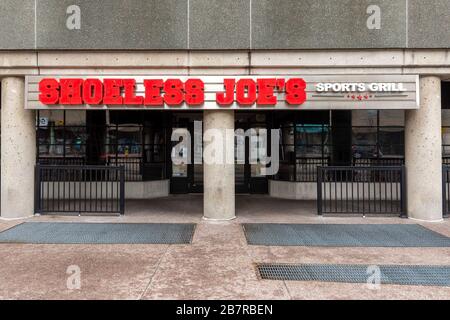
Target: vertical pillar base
<point x="218" y="177"/>
<point x="423" y="154"/>
<point x="18" y="151"/>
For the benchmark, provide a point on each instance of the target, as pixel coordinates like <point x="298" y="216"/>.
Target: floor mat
<point x="99" y="233"/>
<point x="343" y="235"/>
<point x="387" y="274"/>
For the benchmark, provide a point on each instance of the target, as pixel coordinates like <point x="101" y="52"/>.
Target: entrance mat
<point x="388" y="274"/>
<point x="98" y="233"/>
<point x="343" y="235"/>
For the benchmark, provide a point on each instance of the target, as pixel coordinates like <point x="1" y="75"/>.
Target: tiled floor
<point x="217" y="265"/>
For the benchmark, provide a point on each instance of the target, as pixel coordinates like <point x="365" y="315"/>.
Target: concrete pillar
<point x="218" y="178"/>
<point x="18" y="151"/>
<point x="423" y="153"/>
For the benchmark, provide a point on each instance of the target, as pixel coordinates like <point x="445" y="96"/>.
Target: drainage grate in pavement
<point x="99" y="233"/>
<point x="343" y="235"/>
<point x="389" y="274"/>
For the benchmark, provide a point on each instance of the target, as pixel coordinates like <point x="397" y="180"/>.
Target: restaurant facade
<point x="216" y="98"/>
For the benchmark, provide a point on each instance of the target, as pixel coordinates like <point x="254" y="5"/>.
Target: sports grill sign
<point x="230" y="92"/>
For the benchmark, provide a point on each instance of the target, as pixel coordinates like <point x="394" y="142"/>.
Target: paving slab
<point x="106" y="271"/>
<point x="217" y="265"/>
<point x="347" y="291"/>
<point x="210" y="272"/>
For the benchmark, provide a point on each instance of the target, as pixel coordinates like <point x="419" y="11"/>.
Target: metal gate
<point x="445" y="190"/>
<point x="72" y="189"/>
<point x="361" y="190"/>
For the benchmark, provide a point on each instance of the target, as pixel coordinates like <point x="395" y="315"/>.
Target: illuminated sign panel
<point x="210" y="92"/>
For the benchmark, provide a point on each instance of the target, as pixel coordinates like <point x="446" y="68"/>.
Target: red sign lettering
<point x="92" y="91"/>
<point x="171" y="92"/>
<point x="226" y="98"/>
<point x="153" y="92"/>
<point x="130" y="89"/>
<point x="49" y="91"/>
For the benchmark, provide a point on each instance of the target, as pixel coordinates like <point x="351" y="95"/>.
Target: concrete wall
<point x="293" y="190"/>
<point x="147" y="189"/>
<point x="223" y="24"/>
<point x="133" y="190"/>
<point x="392" y="61"/>
<point x="308" y="190"/>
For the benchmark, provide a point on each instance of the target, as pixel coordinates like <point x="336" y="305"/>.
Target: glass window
<point x="75" y="118"/>
<point x="125" y="149"/>
<point x="61" y="142"/>
<point x="392" y="134"/>
<point x="391" y="141"/>
<point x="377" y="139"/>
<point x="75" y="133"/>
<point x="445" y="117"/>
<point x="139" y="145"/>
<point x="392" y="118"/>
<point x="446" y="133"/>
<point x="309" y="140"/>
<point x="305" y="144"/>
<point x="75" y="139"/>
<point x="364" y="142"/>
<point x="364" y="118"/>
<point x="364" y="133"/>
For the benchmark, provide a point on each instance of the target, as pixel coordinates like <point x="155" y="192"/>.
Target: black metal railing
<point x="137" y="170"/>
<point x="361" y="190"/>
<point x="306" y="168"/>
<point x="132" y="166"/>
<point x="385" y="161"/>
<point x="79" y="189"/>
<point x="61" y="161"/>
<point x="446" y="190"/>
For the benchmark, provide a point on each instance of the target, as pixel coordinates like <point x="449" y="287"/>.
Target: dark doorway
<point x="341" y="135"/>
<point x="248" y="176"/>
<point x="188" y="177"/>
<point x="95" y="129"/>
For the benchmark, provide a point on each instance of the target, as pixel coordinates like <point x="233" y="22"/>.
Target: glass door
<point x="257" y="181"/>
<point x="248" y="173"/>
<point x="241" y="163"/>
<point x="179" y="180"/>
<point x="196" y="168"/>
<point x="186" y="174"/>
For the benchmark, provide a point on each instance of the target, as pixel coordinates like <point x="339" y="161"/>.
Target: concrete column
<point x="18" y="151"/>
<point x="423" y="153"/>
<point x="218" y="178"/>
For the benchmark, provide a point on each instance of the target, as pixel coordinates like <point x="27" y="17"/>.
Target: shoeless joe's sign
<point x="213" y="92"/>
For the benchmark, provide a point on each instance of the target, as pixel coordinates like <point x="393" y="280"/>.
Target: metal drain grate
<point x="389" y="274"/>
<point x="343" y="235"/>
<point x="99" y="233"/>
